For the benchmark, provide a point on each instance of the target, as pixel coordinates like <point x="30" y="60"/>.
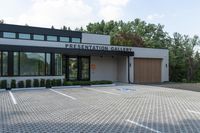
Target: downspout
<point x="129" y="81"/>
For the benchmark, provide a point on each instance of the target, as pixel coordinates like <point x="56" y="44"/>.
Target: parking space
<point x="125" y="108"/>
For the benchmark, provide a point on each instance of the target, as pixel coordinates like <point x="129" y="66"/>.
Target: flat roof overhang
<point x="81" y="52"/>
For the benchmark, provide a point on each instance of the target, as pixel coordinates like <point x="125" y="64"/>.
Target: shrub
<point x="21" y="84"/>
<point x="28" y="83"/>
<point x="101" y="82"/>
<point x="48" y="83"/>
<point x="13" y="83"/>
<point x="58" y="82"/>
<point x="42" y="83"/>
<point x="53" y="82"/>
<point x="4" y="84"/>
<point x="36" y="83"/>
<point x="67" y="83"/>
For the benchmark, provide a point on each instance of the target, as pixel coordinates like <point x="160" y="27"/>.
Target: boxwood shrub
<point x="21" y="84"/>
<point x="58" y="82"/>
<point x="3" y="84"/>
<point x="42" y="83"/>
<point x="28" y="83"/>
<point x="36" y="83"/>
<point x="53" y="82"/>
<point x="69" y="83"/>
<point x="48" y="83"/>
<point x="13" y="83"/>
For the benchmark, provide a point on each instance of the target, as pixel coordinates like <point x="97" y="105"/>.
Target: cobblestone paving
<point x="117" y="109"/>
<point x="183" y="86"/>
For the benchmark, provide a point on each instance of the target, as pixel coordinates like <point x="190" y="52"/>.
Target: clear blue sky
<point x="177" y="15"/>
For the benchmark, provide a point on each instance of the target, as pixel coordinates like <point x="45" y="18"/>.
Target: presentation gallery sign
<point x="97" y="47"/>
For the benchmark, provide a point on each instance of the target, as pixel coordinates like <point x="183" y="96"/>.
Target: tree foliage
<point x="184" y="59"/>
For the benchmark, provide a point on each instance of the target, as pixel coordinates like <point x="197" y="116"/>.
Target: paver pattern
<point x="135" y="109"/>
<point x="183" y="86"/>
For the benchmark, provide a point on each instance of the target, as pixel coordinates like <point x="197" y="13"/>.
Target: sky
<point x="176" y="15"/>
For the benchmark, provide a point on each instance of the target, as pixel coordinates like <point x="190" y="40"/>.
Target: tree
<point x="133" y="33"/>
<point x="52" y="27"/>
<point x="1" y="21"/>
<point x="64" y="27"/>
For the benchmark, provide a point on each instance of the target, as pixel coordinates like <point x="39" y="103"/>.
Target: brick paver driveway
<point x="133" y="108"/>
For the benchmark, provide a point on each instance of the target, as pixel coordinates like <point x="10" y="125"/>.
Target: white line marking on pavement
<point x="12" y="97"/>
<point x="137" y="124"/>
<point x="63" y="94"/>
<point x="195" y="112"/>
<point x="104" y="92"/>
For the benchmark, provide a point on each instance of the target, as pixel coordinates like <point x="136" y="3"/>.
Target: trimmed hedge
<point x="42" y="83"/>
<point x="48" y="83"/>
<point x="13" y="83"/>
<point x="70" y="83"/>
<point x="58" y="82"/>
<point x="3" y="84"/>
<point x="21" y="84"/>
<point x="36" y="83"/>
<point x="53" y="82"/>
<point x="28" y="83"/>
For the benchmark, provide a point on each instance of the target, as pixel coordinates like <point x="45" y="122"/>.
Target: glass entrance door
<point x="73" y="68"/>
<point x="85" y="68"/>
<point x="77" y="68"/>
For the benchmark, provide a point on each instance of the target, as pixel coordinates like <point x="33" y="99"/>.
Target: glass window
<point x="51" y="38"/>
<point x="48" y="64"/>
<point x="0" y="63"/>
<point x="64" y="39"/>
<point x="32" y="63"/>
<point x="24" y="36"/>
<point x="38" y="37"/>
<point x="16" y="63"/>
<point x="73" y="68"/>
<point x="9" y="35"/>
<point x="85" y="68"/>
<point x="64" y="65"/>
<point x="58" y="64"/>
<point x="77" y="40"/>
<point x="5" y="63"/>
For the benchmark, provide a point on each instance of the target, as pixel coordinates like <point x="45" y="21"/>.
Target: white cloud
<point x="73" y="13"/>
<point x="112" y="9"/>
<point x="155" y="16"/>
<point x="114" y="2"/>
<point x="110" y="13"/>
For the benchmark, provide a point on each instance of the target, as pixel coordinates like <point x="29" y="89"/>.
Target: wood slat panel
<point x="147" y="70"/>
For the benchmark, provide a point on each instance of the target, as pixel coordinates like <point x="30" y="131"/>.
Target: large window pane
<point x="0" y="63"/>
<point x="38" y="37"/>
<point x="16" y="63"/>
<point x="85" y="68"/>
<point x="32" y="63"/>
<point x="64" y="39"/>
<point x="58" y="64"/>
<point x="73" y="68"/>
<point x="52" y="38"/>
<point x="76" y="40"/>
<point x="48" y="64"/>
<point x="9" y="35"/>
<point x="5" y="63"/>
<point x="24" y="36"/>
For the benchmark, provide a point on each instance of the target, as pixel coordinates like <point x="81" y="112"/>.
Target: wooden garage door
<point x="147" y="70"/>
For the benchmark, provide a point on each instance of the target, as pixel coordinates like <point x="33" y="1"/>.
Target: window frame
<point x="52" y="36"/>
<point x="24" y="34"/>
<point x="64" y="37"/>
<point x="38" y="39"/>
<point x="9" y="37"/>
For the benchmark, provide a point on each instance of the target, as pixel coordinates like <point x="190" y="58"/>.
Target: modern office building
<point x="41" y="53"/>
